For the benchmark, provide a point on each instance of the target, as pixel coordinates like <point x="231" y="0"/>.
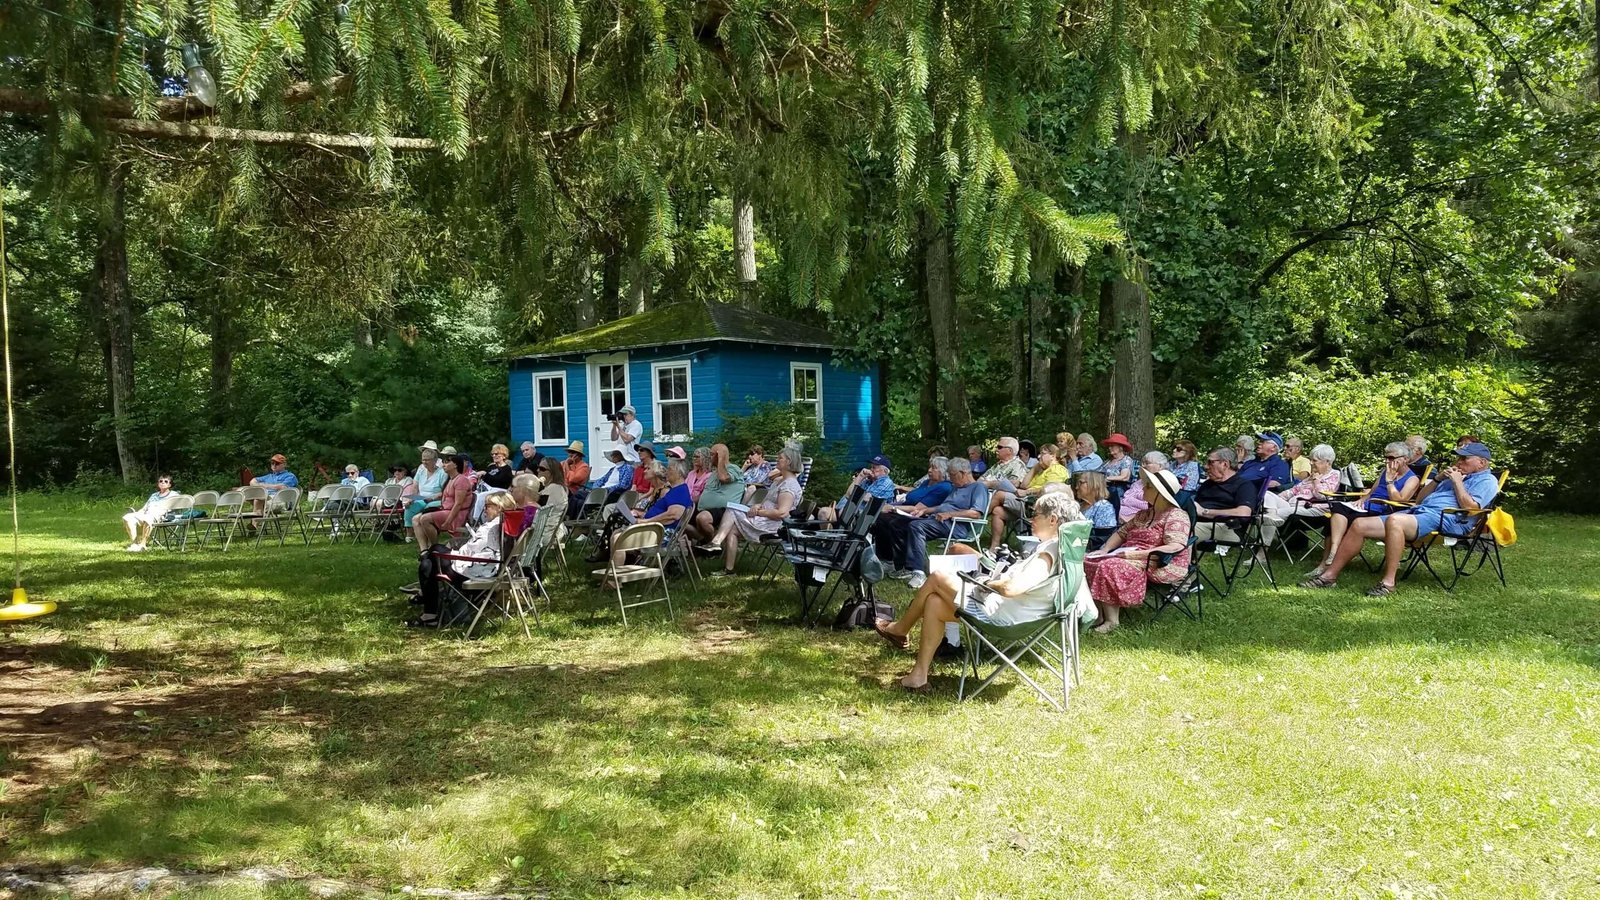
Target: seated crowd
<point x="1138" y="506"/>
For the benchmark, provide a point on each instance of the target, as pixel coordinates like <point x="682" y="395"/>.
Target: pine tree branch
<point x="169" y="109"/>
<point x="184" y="131"/>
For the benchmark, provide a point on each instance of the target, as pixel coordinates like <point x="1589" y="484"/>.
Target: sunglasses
<point x="1392" y="458"/>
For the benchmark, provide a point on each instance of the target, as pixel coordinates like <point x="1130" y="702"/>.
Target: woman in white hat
<point x="1117" y="580"/>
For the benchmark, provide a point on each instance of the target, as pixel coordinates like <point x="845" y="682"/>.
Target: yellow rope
<point x="11" y="433"/>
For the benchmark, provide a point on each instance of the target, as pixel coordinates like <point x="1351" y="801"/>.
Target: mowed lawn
<point x="212" y="711"/>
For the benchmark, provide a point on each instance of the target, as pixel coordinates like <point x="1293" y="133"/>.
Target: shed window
<point x="805" y="390"/>
<point x="550" y="409"/>
<point x="674" y="421"/>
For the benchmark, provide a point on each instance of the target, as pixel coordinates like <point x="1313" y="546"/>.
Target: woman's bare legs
<point x="730" y="551"/>
<point x="933" y="606"/>
<point x="1336" y="530"/>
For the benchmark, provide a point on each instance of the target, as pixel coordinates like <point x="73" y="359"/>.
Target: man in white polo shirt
<point x="626" y="429"/>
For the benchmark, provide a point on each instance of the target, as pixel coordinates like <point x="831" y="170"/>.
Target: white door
<point x="608" y="392"/>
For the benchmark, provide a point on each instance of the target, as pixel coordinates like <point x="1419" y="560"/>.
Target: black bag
<point x="862" y="612"/>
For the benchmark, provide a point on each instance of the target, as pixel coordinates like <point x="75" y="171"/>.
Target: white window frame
<point x="655" y="396"/>
<point x="811" y="367"/>
<point x="539" y="437"/>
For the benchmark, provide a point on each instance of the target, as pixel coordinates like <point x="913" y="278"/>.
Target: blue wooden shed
<point x="683" y="367"/>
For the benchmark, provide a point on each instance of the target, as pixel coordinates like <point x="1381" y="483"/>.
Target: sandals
<point x="423" y="622"/>
<point x="895" y="640"/>
<point x="1317" y="581"/>
<point x="1381" y="590"/>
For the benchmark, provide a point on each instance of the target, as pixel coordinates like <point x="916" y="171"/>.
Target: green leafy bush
<point x="1354" y="413"/>
<point x="773" y="424"/>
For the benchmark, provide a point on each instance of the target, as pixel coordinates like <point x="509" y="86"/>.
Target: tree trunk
<point x="928" y="406"/>
<point x="222" y="352"/>
<point x="585" y="313"/>
<point x="113" y="296"/>
<point x="1104" y="397"/>
<point x="1070" y="359"/>
<point x="942" y="318"/>
<point x="744" y="248"/>
<point x="1020" y="346"/>
<point x="639" y="276"/>
<point x="611" y="286"/>
<point x="364" y="333"/>
<point x="1041" y="338"/>
<point x="1134" y="380"/>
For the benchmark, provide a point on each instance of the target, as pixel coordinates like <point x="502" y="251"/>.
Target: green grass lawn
<point x="213" y="711"/>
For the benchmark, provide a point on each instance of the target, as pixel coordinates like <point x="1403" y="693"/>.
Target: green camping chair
<point x="1051" y="641"/>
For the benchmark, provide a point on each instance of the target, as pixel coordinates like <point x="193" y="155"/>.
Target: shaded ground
<point x="213" y="713"/>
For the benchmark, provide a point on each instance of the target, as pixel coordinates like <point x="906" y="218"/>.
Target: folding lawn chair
<point x="172" y="529"/>
<point x="816" y="553"/>
<point x="770" y="548"/>
<point x="1241" y="539"/>
<point x="205" y="503"/>
<point x="221" y="520"/>
<point x="588" y="520"/>
<point x="245" y="517"/>
<point x="967" y="531"/>
<point x="1051" y="641"/>
<point x="1477" y="540"/>
<point x="473" y="596"/>
<point x="643" y="536"/>
<point x="283" y="514"/>
<point x="1160" y="597"/>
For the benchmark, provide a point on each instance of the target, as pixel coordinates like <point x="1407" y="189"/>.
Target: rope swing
<point x="19" y="608"/>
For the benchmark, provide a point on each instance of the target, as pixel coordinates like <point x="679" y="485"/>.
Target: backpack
<point x="862" y="612"/>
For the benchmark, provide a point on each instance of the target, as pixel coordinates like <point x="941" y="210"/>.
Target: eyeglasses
<point x="1393" y="458"/>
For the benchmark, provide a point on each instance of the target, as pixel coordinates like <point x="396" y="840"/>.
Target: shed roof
<point x="683" y="323"/>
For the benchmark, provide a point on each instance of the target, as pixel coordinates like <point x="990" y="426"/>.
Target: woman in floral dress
<point x="1119" y="571"/>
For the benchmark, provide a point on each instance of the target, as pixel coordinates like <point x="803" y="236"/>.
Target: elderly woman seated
<point x="764" y="519"/>
<point x="1153" y="546"/>
<point x="1397" y="484"/>
<point x="1134" y="501"/>
<point x="1298" y="499"/>
<point x="1025" y="592"/>
<point x="479" y="557"/>
<point x="670" y="509"/>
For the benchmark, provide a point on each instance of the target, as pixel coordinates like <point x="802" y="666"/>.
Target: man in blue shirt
<point x="1467" y="485"/>
<point x="873" y="478"/>
<point x="1267" y="463"/>
<point x="276" y="480"/>
<point x="903" y="536"/>
<point x="1081" y="456"/>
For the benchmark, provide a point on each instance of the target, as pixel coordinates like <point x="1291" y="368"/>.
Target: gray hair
<point x="527" y="445"/>
<point x="1226" y="455"/>
<point x="1086" y="436"/>
<point x="1157" y="458"/>
<point x="942" y="465"/>
<point x="676" y="469"/>
<point x="703" y="453"/>
<point x="1322" y="452"/>
<point x="1397" y="448"/>
<point x="1010" y="443"/>
<point x="1058" y="505"/>
<point x="790" y="454"/>
<point x="1248" y="442"/>
<point x="1291" y="439"/>
<point x="958" y="464"/>
<point x="1416" y="442"/>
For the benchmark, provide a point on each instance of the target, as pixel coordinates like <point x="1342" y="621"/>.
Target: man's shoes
<point x="947" y="650"/>
<point x="901" y="574"/>
<point x="135" y="548"/>
<point x="917" y="580"/>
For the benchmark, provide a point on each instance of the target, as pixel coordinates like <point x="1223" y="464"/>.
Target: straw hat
<point x="429" y="445"/>
<point x="1164" y="482"/>
<point x="575" y="447"/>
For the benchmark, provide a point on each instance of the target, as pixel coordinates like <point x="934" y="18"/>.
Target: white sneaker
<point x="901" y="574"/>
<point x="135" y="548"/>
<point x="917" y="580"/>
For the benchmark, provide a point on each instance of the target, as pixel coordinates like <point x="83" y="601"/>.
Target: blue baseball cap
<point x="1272" y="436"/>
<point x="879" y="460"/>
<point x="1474" y="449"/>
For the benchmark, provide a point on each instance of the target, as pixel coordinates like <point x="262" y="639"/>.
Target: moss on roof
<point x="682" y="323"/>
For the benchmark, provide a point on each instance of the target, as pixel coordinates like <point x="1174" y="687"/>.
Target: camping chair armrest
<point x="1394" y="504"/>
<point x="456" y="557"/>
<point x="1457" y="511"/>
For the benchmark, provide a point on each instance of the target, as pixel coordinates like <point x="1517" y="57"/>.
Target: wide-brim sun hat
<point x="448" y="451"/>
<point x="614" y="455"/>
<point x="1117" y="439"/>
<point x="1028" y="446"/>
<point x="429" y="445"/>
<point x="575" y="447"/>
<point x="1164" y="482"/>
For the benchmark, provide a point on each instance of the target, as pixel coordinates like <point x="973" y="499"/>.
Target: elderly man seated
<point x="1224" y="501"/>
<point x="1007" y="507"/>
<point x="1080" y="457"/>
<point x="873" y="478"/>
<point x="1468" y="485"/>
<point x="725" y="485"/>
<point x="1267" y="465"/>
<point x="902" y="535"/>
<point x="275" y="480"/>
<point x="615" y="480"/>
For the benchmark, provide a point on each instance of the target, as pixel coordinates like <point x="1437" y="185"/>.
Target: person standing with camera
<point x="626" y="429"/>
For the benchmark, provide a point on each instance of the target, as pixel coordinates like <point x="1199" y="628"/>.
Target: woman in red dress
<point x="1119" y="572"/>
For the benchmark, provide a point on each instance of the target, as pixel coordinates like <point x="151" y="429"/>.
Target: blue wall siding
<point x="729" y="378"/>
<point x="521" y="385"/>
<point x="849" y="410"/>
